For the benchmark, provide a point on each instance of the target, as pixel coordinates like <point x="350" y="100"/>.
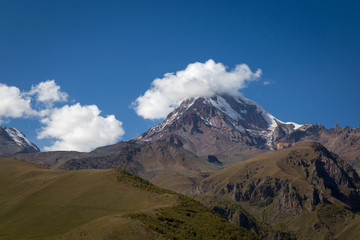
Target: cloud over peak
<point x="196" y="80"/>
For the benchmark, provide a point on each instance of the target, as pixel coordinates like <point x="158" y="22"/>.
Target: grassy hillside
<point x="164" y="164"/>
<point x="40" y="203"/>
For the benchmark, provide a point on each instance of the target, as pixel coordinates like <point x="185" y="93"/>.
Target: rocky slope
<point x="13" y="141"/>
<point x="306" y="190"/>
<point x="166" y="165"/>
<point x="345" y="141"/>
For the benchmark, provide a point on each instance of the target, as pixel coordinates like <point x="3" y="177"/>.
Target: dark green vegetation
<point x="237" y="215"/>
<point x="136" y="181"/>
<point x="40" y="203"/>
<point x="305" y="192"/>
<point x="187" y="220"/>
<point x="191" y="220"/>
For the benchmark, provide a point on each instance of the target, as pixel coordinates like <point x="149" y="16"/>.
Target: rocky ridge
<point x="302" y="182"/>
<point x="344" y="141"/>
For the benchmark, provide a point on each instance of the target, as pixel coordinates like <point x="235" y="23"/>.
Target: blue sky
<point x="107" y="53"/>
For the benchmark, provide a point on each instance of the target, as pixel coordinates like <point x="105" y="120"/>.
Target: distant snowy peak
<point x="19" y="139"/>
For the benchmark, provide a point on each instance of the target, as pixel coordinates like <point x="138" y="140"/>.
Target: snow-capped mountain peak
<point x="19" y="138"/>
<point x="13" y="141"/>
<point x="234" y="119"/>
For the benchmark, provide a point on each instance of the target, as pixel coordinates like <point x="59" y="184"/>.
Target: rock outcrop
<point x="287" y="185"/>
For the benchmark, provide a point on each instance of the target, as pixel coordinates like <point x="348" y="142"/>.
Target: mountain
<point x="13" y="141"/>
<point x="305" y="191"/>
<point x="221" y="125"/>
<point x="41" y="203"/>
<point x="234" y="128"/>
<point x="200" y="137"/>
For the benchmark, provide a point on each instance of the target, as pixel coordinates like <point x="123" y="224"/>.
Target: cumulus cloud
<point x="198" y="79"/>
<point x="74" y="127"/>
<point x="79" y="128"/>
<point x="17" y="104"/>
<point x="14" y="103"/>
<point x="48" y="92"/>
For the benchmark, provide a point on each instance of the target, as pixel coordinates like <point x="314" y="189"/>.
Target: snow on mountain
<point x="19" y="138"/>
<point x="238" y="111"/>
<point x="229" y="119"/>
<point x="13" y="141"/>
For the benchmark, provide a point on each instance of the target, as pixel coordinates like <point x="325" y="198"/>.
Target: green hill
<point x="40" y="203"/>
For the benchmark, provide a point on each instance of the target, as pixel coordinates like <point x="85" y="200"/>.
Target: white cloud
<point x="266" y="83"/>
<point x="48" y="92"/>
<point x="74" y="127"/>
<point x="14" y="103"/>
<point x="198" y="79"/>
<point x="79" y="128"/>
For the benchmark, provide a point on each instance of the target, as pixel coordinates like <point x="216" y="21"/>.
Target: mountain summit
<point x="221" y="125"/>
<point x="13" y="141"/>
